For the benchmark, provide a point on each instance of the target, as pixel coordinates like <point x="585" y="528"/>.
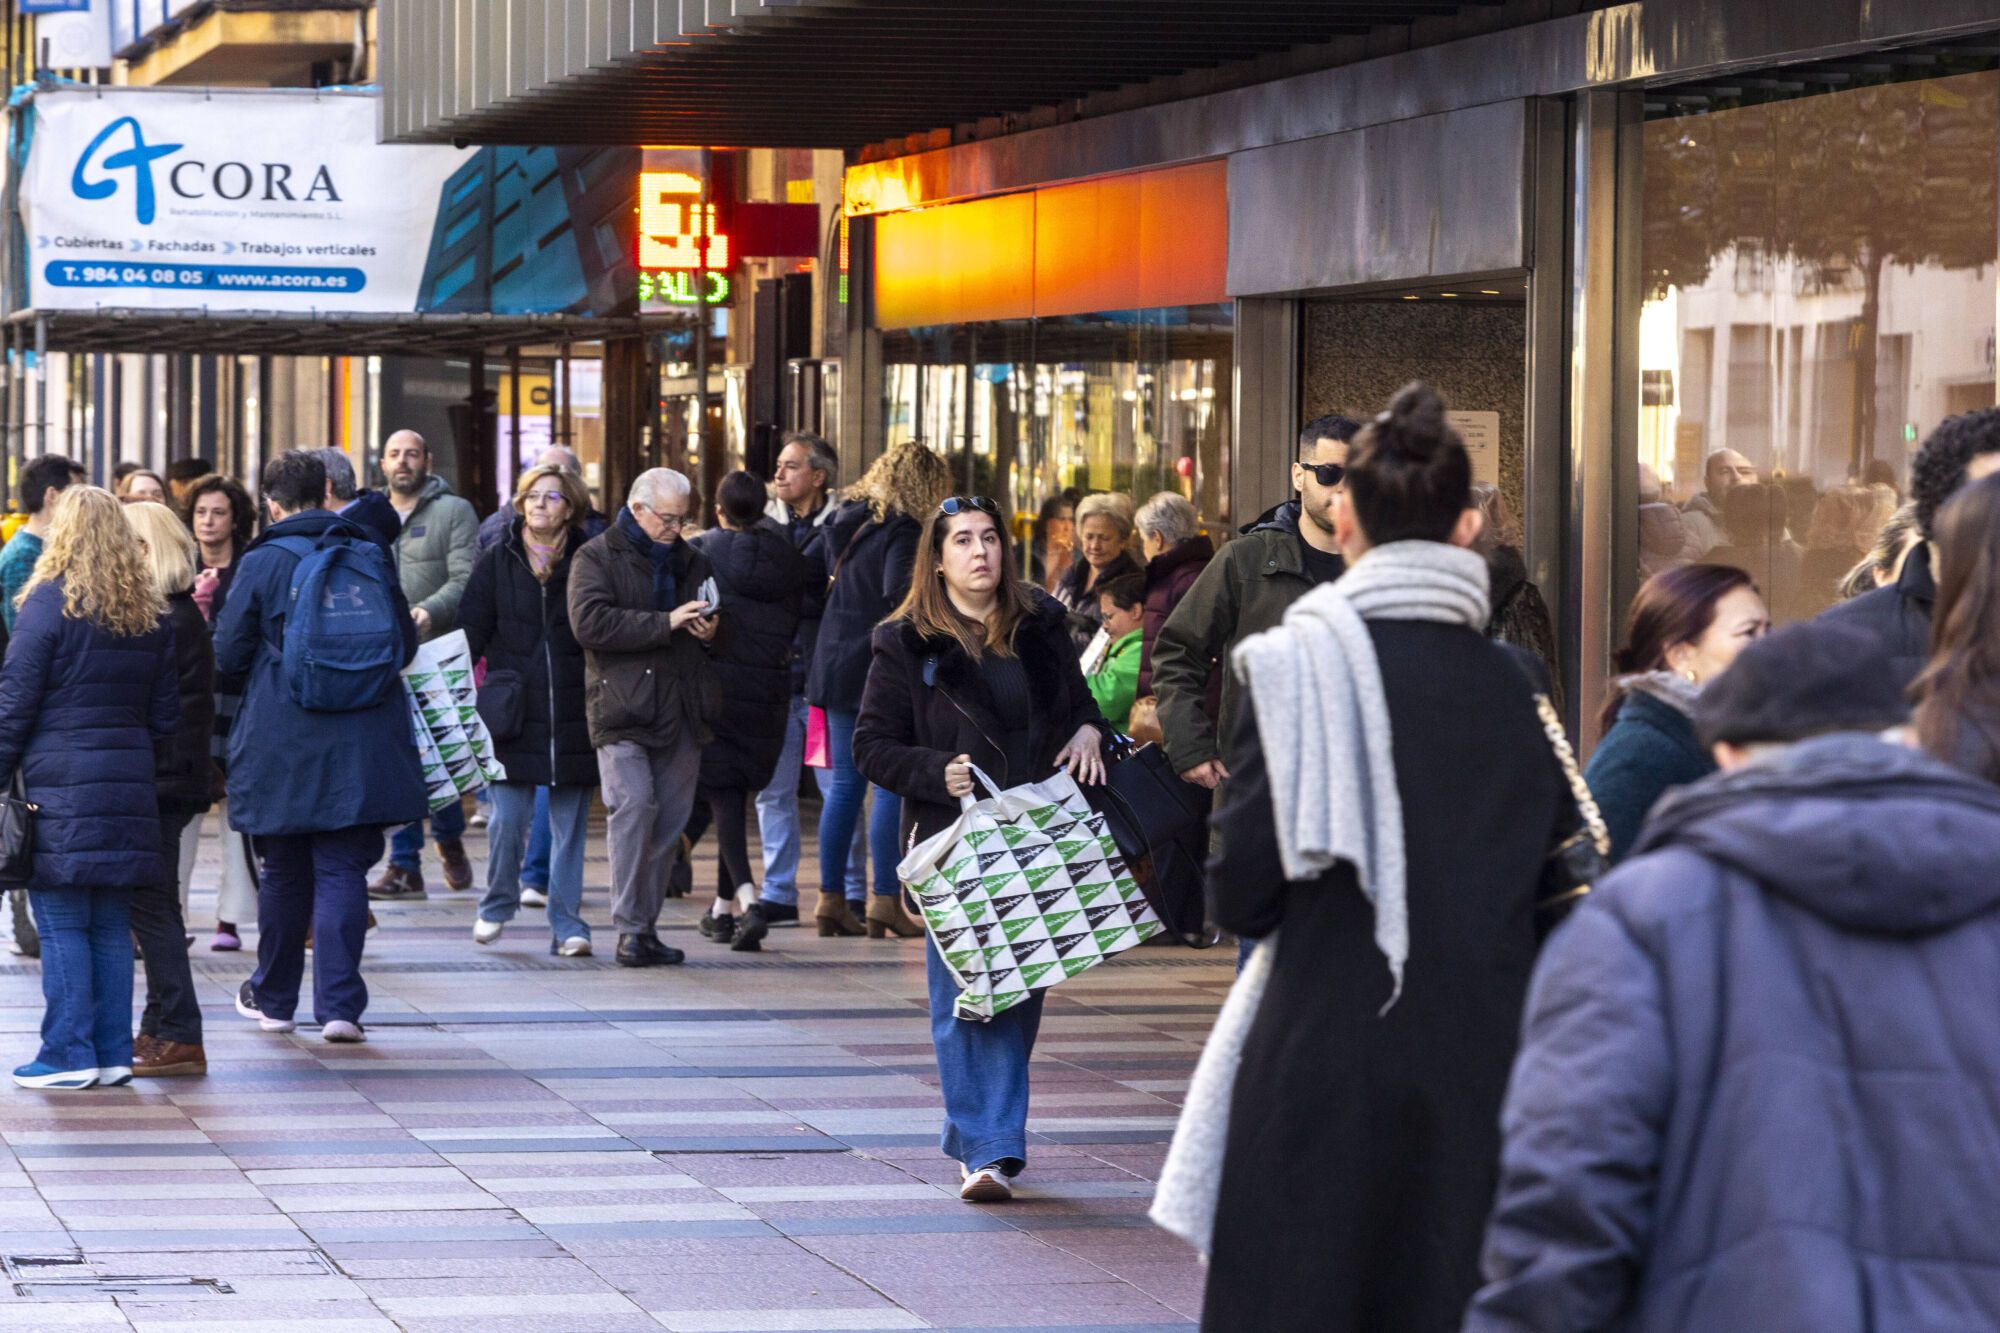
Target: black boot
<point x="646" y="951"/>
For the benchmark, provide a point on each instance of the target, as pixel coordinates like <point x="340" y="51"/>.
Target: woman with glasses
<point x="870" y="547"/>
<point x="975" y="669"/>
<point x="515" y="614"/>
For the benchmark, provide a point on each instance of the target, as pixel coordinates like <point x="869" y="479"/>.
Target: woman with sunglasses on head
<point x="975" y="669"/>
<point x="515" y="614"/>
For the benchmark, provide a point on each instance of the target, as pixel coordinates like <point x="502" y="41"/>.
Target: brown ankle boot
<point x="169" y="1059"/>
<point x="835" y="917"/>
<point x="886" y="917"/>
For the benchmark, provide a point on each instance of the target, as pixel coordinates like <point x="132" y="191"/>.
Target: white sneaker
<point x="534" y="898"/>
<point x="247" y="1006"/>
<point x="576" y="946"/>
<point x="342" y="1032"/>
<point x="986" y="1185"/>
<point x="485" y="932"/>
<point x="114" y="1076"/>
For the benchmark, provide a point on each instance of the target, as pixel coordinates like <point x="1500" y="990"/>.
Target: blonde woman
<point x="169" y="1040"/>
<point x="1103" y="541"/>
<point x="871" y="547"/>
<point x="89" y="688"/>
<point x="140" y="486"/>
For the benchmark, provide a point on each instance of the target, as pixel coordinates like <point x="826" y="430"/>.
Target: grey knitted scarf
<point x="1316" y="686"/>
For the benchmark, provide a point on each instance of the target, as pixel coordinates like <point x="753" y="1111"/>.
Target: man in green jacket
<point x="434" y="555"/>
<point x="1283" y="555"/>
<point x="1115" y="684"/>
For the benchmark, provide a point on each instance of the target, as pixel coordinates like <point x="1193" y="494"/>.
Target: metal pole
<point x="701" y="318"/>
<point x="514" y="406"/>
<point x="41" y="384"/>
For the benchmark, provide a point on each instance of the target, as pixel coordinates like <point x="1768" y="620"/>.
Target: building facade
<point x="1621" y="237"/>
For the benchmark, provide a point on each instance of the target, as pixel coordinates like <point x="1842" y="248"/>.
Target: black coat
<point x="908" y="731"/>
<point x="809" y="536"/>
<point x="1897" y="618"/>
<point x="520" y="625"/>
<point x="183" y="770"/>
<point x="1364" y="1146"/>
<point x="871" y="576"/>
<point x="762" y="581"/>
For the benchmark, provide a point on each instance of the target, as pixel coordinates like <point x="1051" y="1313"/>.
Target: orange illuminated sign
<point x="673" y="222"/>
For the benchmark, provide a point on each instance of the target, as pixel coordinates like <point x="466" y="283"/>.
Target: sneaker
<point x="225" y="941"/>
<point x="246" y="1005"/>
<point x="986" y="1185"/>
<point x="114" y="1076"/>
<point x="457" y="869"/>
<point x="50" y="1079"/>
<point x="485" y="932"/>
<point x="756" y="924"/>
<point x="397" y="884"/>
<point x="576" y="946"/>
<point x="342" y="1032"/>
<point x="534" y="897"/>
<point x="169" y="1059"/>
<point x="779" y="914"/>
<point x="478" y="819"/>
<point x="717" y="929"/>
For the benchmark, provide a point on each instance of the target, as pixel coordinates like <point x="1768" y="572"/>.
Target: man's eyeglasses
<point x="1326" y="474"/>
<point x="671" y="522"/>
<point x="959" y="504"/>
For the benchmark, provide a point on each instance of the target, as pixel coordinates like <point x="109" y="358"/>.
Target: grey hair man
<point x="802" y="501"/>
<point x="635" y="607"/>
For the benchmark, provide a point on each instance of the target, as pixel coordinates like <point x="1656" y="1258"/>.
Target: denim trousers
<point x="778" y="820"/>
<point x="172" y="1012"/>
<point x="316" y="880"/>
<point x="406" y="848"/>
<point x="86" y="976"/>
<point x="982" y="1072"/>
<point x="842" y="812"/>
<point x="514" y="805"/>
<point x="535" y="865"/>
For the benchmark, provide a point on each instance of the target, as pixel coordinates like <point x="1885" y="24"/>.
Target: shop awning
<point x="809" y="73"/>
<point x="251" y="333"/>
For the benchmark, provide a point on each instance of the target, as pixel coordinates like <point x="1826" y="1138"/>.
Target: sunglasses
<point x="964" y="504"/>
<point x="1326" y="474"/>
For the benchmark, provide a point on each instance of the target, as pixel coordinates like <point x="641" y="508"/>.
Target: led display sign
<point x="684" y="259"/>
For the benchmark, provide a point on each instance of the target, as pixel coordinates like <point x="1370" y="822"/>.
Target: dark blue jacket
<point x="81" y="710"/>
<point x="377" y="516"/>
<point x="870" y="564"/>
<point x="1757" y="1084"/>
<point x="1648" y="750"/>
<point x="294" y="771"/>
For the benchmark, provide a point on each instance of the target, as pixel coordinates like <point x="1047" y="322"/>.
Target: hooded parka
<point x="1757" y="1084"/>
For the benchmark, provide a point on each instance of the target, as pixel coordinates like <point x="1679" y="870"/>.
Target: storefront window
<point x="1820" y="294"/>
<point x="1136" y="401"/>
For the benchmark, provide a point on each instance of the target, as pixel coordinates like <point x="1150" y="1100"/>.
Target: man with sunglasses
<point x="1246" y="588"/>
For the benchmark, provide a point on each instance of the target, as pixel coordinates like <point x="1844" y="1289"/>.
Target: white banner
<point x="225" y="200"/>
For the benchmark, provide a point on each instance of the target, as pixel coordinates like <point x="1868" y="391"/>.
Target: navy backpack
<point x="343" y="645"/>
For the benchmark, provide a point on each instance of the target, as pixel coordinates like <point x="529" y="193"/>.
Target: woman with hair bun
<point x="1392" y="803"/>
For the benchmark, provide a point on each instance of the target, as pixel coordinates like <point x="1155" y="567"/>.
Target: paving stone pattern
<point x="747" y="1142"/>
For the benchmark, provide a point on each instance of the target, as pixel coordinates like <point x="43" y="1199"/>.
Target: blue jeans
<point x="568" y="816"/>
<point x="845" y="790"/>
<point x="317" y="880"/>
<point x="406" y="848"/>
<point x="778" y="820"/>
<point x="535" y="865"/>
<point x="982" y="1072"/>
<point x="86" y="976"/>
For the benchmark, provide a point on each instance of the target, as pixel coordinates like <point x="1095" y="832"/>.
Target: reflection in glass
<point x="1820" y="294"/>
<point x="1136" y="401"/>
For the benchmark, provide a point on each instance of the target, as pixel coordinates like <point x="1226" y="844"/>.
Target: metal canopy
<point x="282" y="334"/>
<point x="808" y="73"/>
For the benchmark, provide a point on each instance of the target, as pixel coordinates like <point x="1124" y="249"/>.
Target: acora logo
<point x="139" y="157"/>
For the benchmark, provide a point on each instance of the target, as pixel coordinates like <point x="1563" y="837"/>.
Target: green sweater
<point x="1116" y="684"/>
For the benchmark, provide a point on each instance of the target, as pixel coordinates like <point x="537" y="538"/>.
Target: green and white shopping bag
<point x="1025" y="889"/>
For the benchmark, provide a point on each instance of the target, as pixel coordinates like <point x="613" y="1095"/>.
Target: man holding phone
<point x="637" y="607"/>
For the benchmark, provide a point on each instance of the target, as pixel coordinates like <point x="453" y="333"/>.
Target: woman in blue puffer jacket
<point x="88" y="689"/>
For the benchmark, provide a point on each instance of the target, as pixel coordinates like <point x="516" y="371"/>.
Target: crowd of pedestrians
<point x="1689" y="1036"/>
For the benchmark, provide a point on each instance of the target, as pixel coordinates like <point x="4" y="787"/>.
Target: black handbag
<point x="1160" y="824"/>
<point x="1581" y="857"/>
<point x="503" y="702"/>
<point x="17" y="838"/>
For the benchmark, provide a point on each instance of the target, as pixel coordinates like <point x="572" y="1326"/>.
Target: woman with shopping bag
<point x="975" y="670"/>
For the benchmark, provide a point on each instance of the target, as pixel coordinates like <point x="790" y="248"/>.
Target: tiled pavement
<point x="742" y="1143"/>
